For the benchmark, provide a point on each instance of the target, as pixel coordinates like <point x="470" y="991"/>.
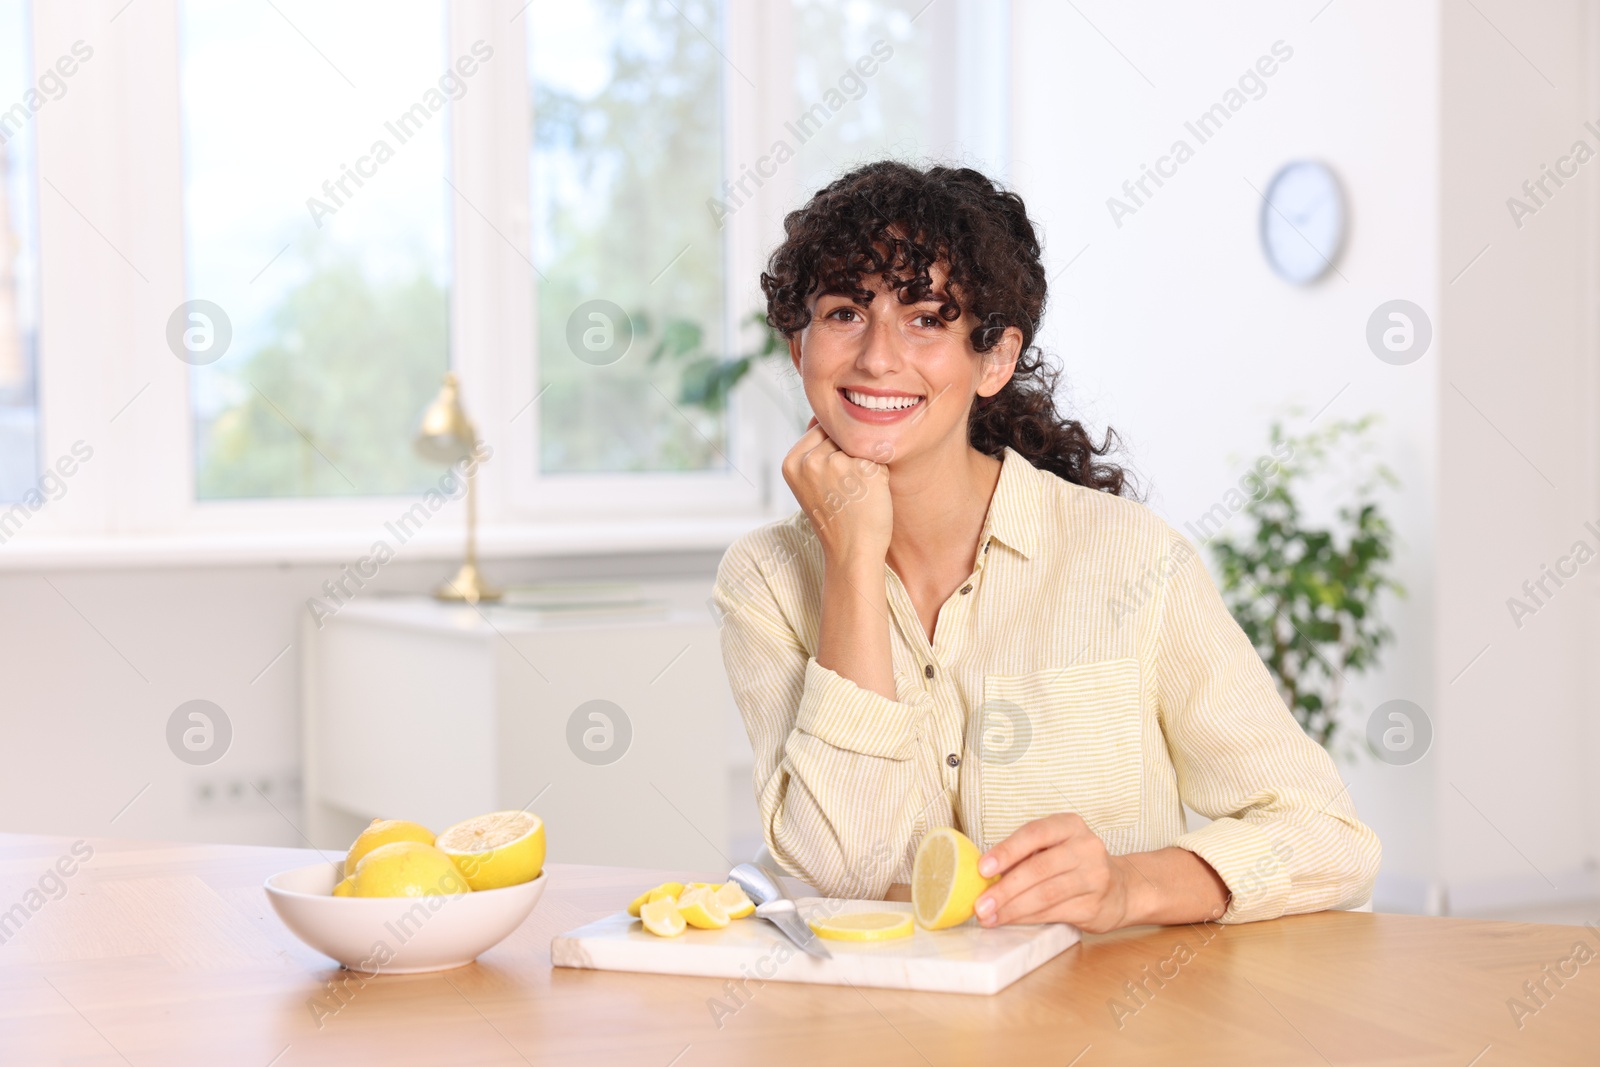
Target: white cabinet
<point x="614" y="725"/>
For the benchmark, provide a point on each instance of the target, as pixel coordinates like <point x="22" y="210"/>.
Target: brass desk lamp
<point x="448" y="436"/>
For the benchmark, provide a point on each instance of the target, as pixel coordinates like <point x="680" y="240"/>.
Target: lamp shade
<point x="445" y="435"/>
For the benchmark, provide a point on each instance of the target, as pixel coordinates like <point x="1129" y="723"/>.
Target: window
<point x="654" y="198"/>
<point x="317" y="243"/>
<point x="919" y="82"/>
<point x="626" y="147"/>
<point x="341" y="202"/>
<point x="19" y="256"/>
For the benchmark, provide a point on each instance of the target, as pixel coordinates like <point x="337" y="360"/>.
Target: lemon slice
<point x="496" y="850"/>
<point x="384" y="832"/>
<point x="865" y="926"/>
<point x="661" y="917"/>
<point x="945" y="882"/>
<point x="701" y="909"/>
<point x="638" y="902"/>
<point x="734" y="901"/>
<point x="666" y="891"/>
<point x="406" y="869"/>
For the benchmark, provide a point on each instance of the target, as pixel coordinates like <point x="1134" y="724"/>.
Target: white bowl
<point x="397" y="935"/>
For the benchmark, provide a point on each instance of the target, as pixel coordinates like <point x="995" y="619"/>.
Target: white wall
<point x="1173" y="329"/>
<point x="1516" y="799"/>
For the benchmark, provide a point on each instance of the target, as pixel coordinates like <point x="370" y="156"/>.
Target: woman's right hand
<point x="846" y="497"/>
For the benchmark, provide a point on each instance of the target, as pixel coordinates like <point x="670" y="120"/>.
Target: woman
<point x="967" y="624"/>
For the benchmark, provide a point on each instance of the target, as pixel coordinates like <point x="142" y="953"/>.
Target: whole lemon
<point x="382" y="832"/>
<point x="407" y="869"/>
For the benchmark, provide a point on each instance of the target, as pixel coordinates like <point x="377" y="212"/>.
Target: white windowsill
<point x="600" y="537"/>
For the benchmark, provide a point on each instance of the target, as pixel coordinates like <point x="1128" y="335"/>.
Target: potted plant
<point x="1307" y="595"/>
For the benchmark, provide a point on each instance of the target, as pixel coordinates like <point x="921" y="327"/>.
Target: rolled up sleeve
<point x="842" y="715"/>
<point x="834" y="770"/>
<point x="1284" y="835"/>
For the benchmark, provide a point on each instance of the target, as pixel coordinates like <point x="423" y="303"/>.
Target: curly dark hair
<point x="896" y="221"/>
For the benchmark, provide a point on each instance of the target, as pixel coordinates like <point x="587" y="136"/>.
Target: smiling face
<point x="892" y="382"/>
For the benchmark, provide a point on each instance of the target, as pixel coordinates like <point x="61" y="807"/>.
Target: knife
<point x="786" y="917"/>
<point x="775" y="906"/>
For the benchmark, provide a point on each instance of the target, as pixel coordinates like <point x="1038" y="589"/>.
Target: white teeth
<point x="882" y="403"/>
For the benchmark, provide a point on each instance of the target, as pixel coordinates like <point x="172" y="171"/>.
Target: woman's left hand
<point x="1055" y="870"/>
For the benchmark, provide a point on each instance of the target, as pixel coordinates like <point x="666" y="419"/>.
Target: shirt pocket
<point x="1070" y="740"/>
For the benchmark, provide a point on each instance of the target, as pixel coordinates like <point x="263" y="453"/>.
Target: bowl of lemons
<point x="405" y="900"/>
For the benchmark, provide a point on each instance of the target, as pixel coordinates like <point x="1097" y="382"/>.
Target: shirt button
<point x="927" y="672"/>
<point x="966" y="589"/>
<point x="953" y="759"/>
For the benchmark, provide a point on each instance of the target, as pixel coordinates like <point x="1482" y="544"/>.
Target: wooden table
<point x="170" y="954"/>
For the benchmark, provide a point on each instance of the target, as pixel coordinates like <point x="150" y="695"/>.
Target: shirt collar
<point x="1015" y="509"/>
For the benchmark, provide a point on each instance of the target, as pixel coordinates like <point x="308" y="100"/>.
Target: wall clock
<point x="1303" y="221"/>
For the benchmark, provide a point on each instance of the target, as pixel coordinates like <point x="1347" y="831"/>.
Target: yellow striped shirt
<point x="1087" y="665"/>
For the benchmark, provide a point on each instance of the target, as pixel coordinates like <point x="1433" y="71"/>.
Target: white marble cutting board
<point x="964" y="959"/>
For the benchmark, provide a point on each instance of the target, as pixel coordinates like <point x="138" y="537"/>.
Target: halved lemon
<point x="496" y="850"/>
<point x="734" y="901"/>
<point x="661" y="917"/>
<point x="384" y="832"/>
<point x="701" y="909"/>
<point x="945" y="882"/>
<point x="865" y="926"/>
